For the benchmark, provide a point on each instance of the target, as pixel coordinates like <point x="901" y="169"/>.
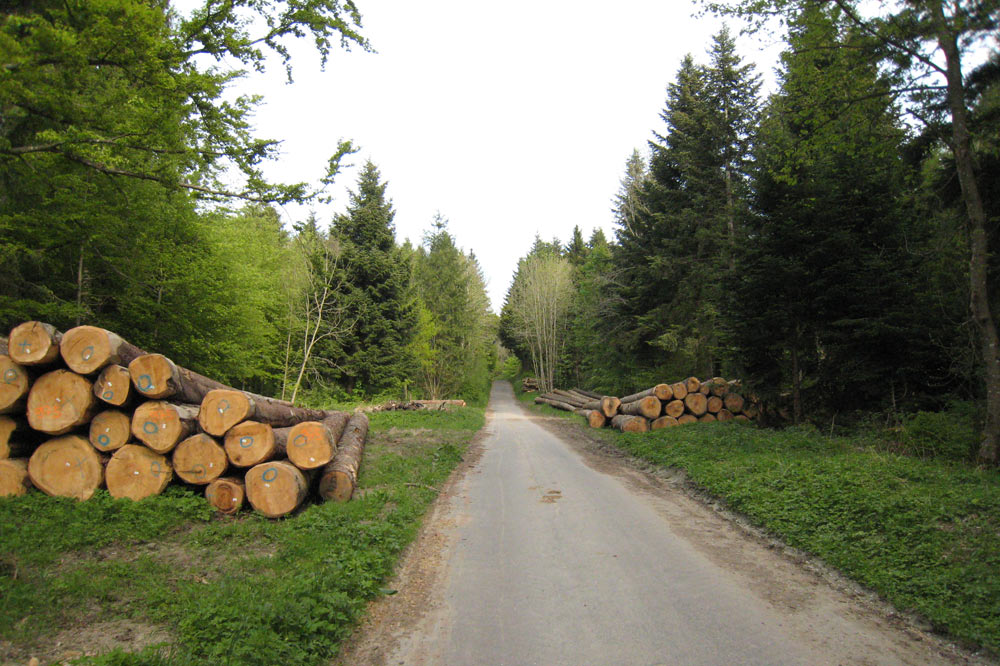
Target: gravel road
<point x="541" y="551"/>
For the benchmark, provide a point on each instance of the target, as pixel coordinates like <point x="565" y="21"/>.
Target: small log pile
<point x="413" y="405"/>
<point x="530" y="385"/>
<point x="662" y="406"/>
<point x="85" y="409"/>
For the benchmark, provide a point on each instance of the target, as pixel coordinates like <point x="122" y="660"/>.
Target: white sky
<point x="510" y="119"/>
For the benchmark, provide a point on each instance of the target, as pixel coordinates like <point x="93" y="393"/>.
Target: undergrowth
<point x="243" y="590"/>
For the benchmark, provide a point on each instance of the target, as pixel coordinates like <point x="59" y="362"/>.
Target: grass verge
<point x="180" y="585"/>
<point x="925" y="534"/>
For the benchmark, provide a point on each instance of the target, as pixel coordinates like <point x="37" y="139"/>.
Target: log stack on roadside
<point x="661" y="406"/>
<point x="84" y="409"/>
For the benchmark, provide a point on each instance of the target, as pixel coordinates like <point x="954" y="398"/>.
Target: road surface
<point x="541" y="552"/>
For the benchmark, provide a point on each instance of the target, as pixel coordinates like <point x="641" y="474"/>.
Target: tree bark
<point x="60" y="401"/>
<point x="157" y="377"/>
<point x="87" y="349"/>
<point x="978" y="238"/>
<point x="649" y="407"/>
<point x="66" y="467"/>
<point x="226" y="495"/>
<point x="221" y="409"/>
<point x="250" y="443"/>
<point x="34" y="343"/>
<point x="558" y="404"/>
<point x="110" y="430"/>
<point x="14" y="386"/>
<point x="136" y="472"/>
<point x="14" y="479"/>
<point x="627" y="423"/>
<point x="114" y="386"/>
<point x="276" y="488"/>
<point x="162" y="425"/>
<point x="199" y="459"/>
<point x="340" y="477"/>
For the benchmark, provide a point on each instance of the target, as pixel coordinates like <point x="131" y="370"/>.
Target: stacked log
<point x="662" y="406"/>
<point x="85" y="409"/>
<point x="530" y="385"/>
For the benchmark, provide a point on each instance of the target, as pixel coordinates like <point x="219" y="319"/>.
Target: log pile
<point x="84" y="409"/>
<point x="661" y="406"/>
<point x="530" y="385"/>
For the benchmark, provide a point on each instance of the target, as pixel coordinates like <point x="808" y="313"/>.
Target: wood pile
<point x="530" y="385"/>
<point x="661" y="406"/>
<point x="85" y="409"/>
<point x="413" y="405"/>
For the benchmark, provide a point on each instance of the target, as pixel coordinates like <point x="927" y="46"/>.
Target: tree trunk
<point x="114" y="386"/>
<point x="627" y="423"/>
<point x="162" y="425"/>
<point x="199" y="459"/>
<point x="14" y="479"/>
<point x="340" y="477"/>
<point x="978" y="238"/>
<point x="136" y="472"/>
<point x="566" y="396"/>
<point x="226" y="495"/>
<point x="223" y="408"/>
<point x="312" y="444"/>
<point x="34" y="343"/>
<point x="663" y="422"/>
<point x="157" y="378"/>
<point x="649" y="407"/>
<point x="110" y="430"/>
<point x="589" y="394"/>
<point x="87" y="349"/>
<point x="252" y="443"/>
<point x="276" y="488"/>
<point x="595" y="418"/>
<point x="674" y="408"/>
<point x="14" y="386"/>
<point x="60" y="401"/>
<point x="67" y="467"/>
<point x="558" y="404"/>
<point x="663" y="392"/>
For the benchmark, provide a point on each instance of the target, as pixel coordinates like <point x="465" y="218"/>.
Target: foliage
<point x="949" y="435"/>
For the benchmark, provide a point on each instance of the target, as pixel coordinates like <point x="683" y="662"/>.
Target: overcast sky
<point x="511" y="119"/>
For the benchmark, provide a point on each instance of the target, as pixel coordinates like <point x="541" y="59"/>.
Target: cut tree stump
<point x="60" y="401"/>
<point x="157" y="377"/>
<point x="674" y="408"/>
<point x="276" y="488"/>
<point x="222" y="409"/>
<point x="340" y="477"/>
<point x="595" y="418"/>
<point x="34" y="343"/>
<point x="627" y="423"/>
<point x="110" y="430"/>
<point x="696" y="403"/>
<point x="114" y="386"/>
<point x="14" y="386"/>
<point x="663" y="422"/>
<point x="67" y="467"/>
<point x="251" y="443"/>
<point x="136" y="472"/>
<point x="14" y="479"/>
<point x="199" y="459"/>
<point x="87" y="349"/>
<point x="734" y="402"/>
<point x="661" y="392"/>
<point x="226" y="494"/>
<point x="648" y="407"/>
<point x="313" y="444"/>
<point x="161" y="425"/>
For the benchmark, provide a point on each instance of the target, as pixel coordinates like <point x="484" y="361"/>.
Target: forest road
<point x="541" y="552"/>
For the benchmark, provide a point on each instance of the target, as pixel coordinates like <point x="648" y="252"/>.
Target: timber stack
<point x="661" y="406"/>
<point x="85" y="409"/>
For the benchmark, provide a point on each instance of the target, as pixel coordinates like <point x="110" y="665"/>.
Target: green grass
<point x="242" y="590"/>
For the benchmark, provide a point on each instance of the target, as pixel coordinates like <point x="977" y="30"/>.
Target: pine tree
<point x="375" y="356"/>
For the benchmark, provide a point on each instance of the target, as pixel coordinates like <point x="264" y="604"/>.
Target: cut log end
<point x="114" y="385"/>
<point x="251" y="443"/>
<point x="222" y="409"/>
<point x="110" y="430"/>
<point x="627" y="423"/>
<point x="663" y="422"/>
<point x="60" y="401"/>
<point x="679" y="390"/>
<point x="696" y="403"/>
<point x="14" y="479"/>
<point x="226" y="494"/>
<point x="275" y="488"/>
<point x="87" y="349"/>
<point x="684" y="419"/>
<point x="66" y="467"/>
<point x="154" y="375"/>
<point x="311" y="444"/>
<point x="136" y="472"/>
<point x="14" y="386"/>
<point x="162" y="425"/>
<point x="199" y="459"/>
<point x="34" y="343"/>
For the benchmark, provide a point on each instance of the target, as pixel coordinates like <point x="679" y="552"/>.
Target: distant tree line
<point x="817" y="243"/>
